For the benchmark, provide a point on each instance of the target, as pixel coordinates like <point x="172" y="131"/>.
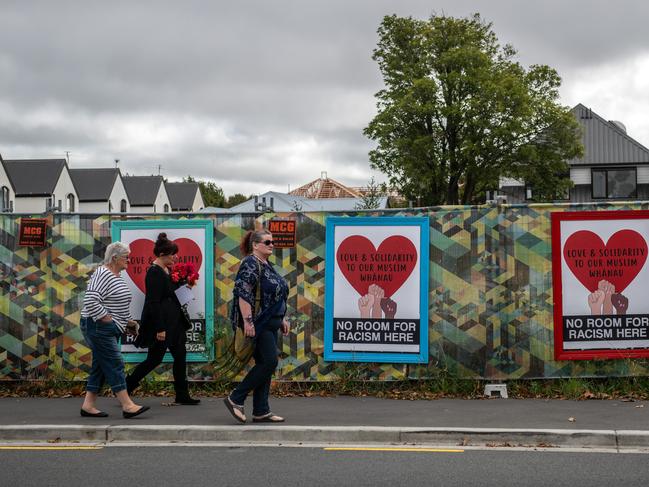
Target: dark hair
<point x="250" y="237"/>
<point x="164" y="246"/>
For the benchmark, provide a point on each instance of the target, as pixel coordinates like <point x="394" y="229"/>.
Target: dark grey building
<point x="185" y="197"/>
<point x="100" y="190"/>
<point x="147" y="194"/>
<point x="614" y="166"/>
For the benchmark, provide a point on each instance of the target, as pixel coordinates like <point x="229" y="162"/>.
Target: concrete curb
<point x="275" y="434"/>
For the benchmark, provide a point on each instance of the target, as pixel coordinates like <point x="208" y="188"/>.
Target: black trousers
<point x="259" y="377"/>
<point x="154" y="358"/>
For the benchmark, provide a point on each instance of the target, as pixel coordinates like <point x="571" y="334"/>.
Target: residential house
<point x="282" y="202"/>
<point x="185" y="197"/>
<point x="41" y="184"/>
<point x="100" y="190"/>
<point x="147" y="194"/>
<point x="325" y="187"/>
<point x="614" y="165"/>
<point x="7" y="194"/>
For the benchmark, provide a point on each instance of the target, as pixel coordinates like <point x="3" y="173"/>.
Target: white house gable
<point x="119" y="198"/>
<point x="162" y="201"/>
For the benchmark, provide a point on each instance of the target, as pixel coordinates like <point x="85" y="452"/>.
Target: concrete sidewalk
<point x="348" y="420"/>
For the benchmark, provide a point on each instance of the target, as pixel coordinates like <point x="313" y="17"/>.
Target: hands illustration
<point x="378" y="294"/>
<point x="620" y="302"/>
<point x="365" y="305"/>
<point x="595" y="301"/>
<point x="609" y="289"/>
<point x="389" y="307"/>
<point x="605" y="300"/>
<point x="375" y="305"/>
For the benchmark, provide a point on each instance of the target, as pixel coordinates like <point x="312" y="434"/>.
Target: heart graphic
<point x="389" y="266"/>
<point x="617" y="262"/>
<point x="142" y="257"/>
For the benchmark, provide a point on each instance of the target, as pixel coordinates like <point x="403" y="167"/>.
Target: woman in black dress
<point x="163" y="323"/>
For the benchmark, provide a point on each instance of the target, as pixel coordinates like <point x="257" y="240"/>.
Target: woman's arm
<point x="93" y="300"/>
<point x="246" y="288"/>
<point x="246" y="312"/>
<point x="155" y="293"/>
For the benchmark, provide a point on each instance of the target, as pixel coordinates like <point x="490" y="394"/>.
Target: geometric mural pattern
<point x="490" y="297"/>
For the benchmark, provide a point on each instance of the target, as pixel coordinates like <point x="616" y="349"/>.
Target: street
<point x="158" y="466"/>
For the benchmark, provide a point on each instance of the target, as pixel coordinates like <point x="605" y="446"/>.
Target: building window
<point x="70" y="202"/>
<point x="166" y="208"/>
<point x="4" y="199"/>
<point x="528" y="191"/>
<point x="614" y="183"/>
<point x="122" y="206"/>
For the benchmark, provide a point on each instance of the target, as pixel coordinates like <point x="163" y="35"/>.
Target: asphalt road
<point x="197" y="466"/>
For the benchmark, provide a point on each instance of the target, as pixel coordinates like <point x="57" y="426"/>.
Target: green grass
<point x="348" y="385"/>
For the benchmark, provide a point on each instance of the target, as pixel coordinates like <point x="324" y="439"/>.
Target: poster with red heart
<point x="600" y="282"/>
<point x="193" y="238"/>
<point x="376" y="289"/>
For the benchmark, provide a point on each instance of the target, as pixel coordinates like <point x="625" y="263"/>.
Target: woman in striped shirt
<point x="105" y="313"/>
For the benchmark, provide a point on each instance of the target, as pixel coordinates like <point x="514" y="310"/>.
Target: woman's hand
<point x="161" y="336"/>
<point x="249" y="328"/>
<point x="285" y="327"/>
<point x="106" y="319"/>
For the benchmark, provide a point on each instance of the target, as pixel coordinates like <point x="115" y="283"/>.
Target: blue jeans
<point x="258" y="379"/>
<point x="107" y="362"/>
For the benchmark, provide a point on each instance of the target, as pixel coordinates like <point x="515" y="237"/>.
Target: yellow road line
<point x="35" y="447"/>
<point x="434" y="450"/>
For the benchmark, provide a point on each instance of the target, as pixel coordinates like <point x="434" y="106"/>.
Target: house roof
<point x="142" y="190"/>
<point x="283" y="202"/>
<point x="34" y="177"/>
<point x="181" y="195"/>
<point x="325" y="187"/>
<point x="94" y="184"/>
<point x="606" y="142"/>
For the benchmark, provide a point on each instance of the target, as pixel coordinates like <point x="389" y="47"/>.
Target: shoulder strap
<point x="258" y="293"/>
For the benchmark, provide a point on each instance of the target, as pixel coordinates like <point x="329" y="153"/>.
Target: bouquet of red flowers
<point x="184" y="274"/>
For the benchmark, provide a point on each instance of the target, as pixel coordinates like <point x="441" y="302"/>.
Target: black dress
<point x="162" y="312"/>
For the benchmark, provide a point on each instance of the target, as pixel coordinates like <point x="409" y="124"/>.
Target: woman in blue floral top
<point x="255" y="269"/>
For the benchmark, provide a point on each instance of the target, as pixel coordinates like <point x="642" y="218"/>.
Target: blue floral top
<point x="274" y="292"/>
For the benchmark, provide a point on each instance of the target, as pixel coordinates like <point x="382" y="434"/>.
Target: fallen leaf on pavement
<point x="571" y="419"/>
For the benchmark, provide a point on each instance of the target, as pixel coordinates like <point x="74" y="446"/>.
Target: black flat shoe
<point x="86" y="414"/>
<point x="128" y="415"/>
<point x="187" y="401"/>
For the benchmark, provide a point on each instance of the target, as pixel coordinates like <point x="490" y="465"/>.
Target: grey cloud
<point x="268" y="74"/>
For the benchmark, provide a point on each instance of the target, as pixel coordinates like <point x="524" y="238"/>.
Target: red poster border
<point x="556" y="219"/>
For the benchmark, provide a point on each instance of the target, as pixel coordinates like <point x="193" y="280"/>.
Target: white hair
<point x="115" y="250"/>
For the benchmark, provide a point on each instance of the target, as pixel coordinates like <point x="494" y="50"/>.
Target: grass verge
<point x="625" y="388"/>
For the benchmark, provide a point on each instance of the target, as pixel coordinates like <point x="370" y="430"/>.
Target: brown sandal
<point x="268" y="418"/>
<point x="235" y="410"/>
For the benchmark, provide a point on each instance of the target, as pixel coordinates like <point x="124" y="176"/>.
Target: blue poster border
<point x="208" y="226"/>
<point x="329" y="354"/>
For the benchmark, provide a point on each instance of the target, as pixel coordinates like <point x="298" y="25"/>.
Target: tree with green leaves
<point x="371" y="197"/>
<point x="457" y="113"/>
<point x="211" y="193"/>
<point x="235" y="199"/>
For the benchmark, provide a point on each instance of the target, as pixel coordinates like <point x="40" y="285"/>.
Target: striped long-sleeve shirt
<point x="107" y="294"/>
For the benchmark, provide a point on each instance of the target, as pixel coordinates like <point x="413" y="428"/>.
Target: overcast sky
<point x="259" y="95"/>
